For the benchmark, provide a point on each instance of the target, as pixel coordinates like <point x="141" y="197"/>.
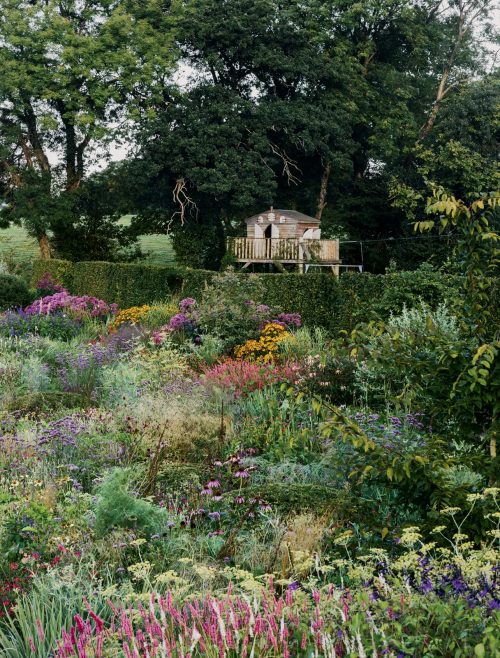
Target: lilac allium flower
<point x="290" y="318"/>
<point x="186" y="304"/>
<point x="80" y="305"/>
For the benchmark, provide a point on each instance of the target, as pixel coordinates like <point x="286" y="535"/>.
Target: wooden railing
<point x="292" y="250"/>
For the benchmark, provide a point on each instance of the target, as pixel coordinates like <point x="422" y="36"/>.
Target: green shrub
<point x="47" y="400"/>
<point x="288" y="498"/>
<point x="321" y="299"/>
<point x="117" y="507"/>
<point x="13" y="292"/>
<point x="122" y="283"/>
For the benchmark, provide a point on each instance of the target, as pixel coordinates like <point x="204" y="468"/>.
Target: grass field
<point x="159" y="246"/>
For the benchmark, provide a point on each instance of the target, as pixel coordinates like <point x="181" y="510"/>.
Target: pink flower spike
<point x="40" y="630"/>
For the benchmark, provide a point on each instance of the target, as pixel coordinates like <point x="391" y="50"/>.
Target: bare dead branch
<point x="185" y="202"/>
<point x="287" y="163"/>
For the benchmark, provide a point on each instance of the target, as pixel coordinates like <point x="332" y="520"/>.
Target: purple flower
<point x="186" y="304"/>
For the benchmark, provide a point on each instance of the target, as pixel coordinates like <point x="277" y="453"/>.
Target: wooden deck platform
<point x="285" y="250"/>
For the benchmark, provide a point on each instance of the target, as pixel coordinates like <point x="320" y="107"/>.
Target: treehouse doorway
<point x="272" y="231"/>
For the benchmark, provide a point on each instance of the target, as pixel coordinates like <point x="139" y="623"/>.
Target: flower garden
<point x="210" y="477"/>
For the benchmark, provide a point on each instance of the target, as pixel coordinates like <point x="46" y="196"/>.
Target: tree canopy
<point x="328" y="107"/>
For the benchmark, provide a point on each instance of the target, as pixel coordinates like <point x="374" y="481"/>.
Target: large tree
<point x="72" y="72"/>
<point x="314" y="106"/>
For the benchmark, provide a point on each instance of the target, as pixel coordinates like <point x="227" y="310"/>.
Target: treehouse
<point x="285" y="236"/>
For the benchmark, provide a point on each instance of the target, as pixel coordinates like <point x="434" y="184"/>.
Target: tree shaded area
<point x="339" y="110"/>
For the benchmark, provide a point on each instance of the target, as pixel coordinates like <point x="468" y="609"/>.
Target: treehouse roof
<point x="294" y="215"/>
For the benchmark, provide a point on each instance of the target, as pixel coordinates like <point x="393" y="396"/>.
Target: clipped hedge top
<point x="320" y="298"/>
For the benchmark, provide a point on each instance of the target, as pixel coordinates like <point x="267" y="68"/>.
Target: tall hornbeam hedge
<point x="321" y="299"/>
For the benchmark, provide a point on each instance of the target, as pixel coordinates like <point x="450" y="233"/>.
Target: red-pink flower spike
<point x="216" y="627"/>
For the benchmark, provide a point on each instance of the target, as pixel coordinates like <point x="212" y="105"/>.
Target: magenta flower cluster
<point x="288" y="319"/>
<point x="263" y="314"/>
<point x="185" y="304"/>
<point x="63" y="301"/>
<point x="49" y="284"/>
<point x="185" y="320"/>
<point x="211" y="626"/>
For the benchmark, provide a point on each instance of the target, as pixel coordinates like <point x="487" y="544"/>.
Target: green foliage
<point x="94" y="234"/>
<point x="299" y="498"/>
<point x="228" y="307"/>
<point x="460" y="372"/>
<point x="13" y="292"/>
<point x="23" y="534"/>
<point x="125" y="284"/>
<point x="303" y="343"/>
<point x="36" y="402"/>
<point x="63" y="87"/>
<point x="320" y="299"/>
<point x="53" y="605"/>
<point x="376" y="386"/>
<point x="405" y="288"/>
<point x="117" y="507"/>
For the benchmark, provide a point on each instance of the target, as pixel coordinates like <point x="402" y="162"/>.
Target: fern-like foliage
<point x="117" y="506"/>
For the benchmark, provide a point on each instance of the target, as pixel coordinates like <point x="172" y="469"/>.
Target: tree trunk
<point x="43" y="242"/>
<point x="322" y="192"/>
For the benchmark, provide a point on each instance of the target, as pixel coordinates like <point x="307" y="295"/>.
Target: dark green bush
<point x="320" y="299"/>
<point x="13" y="292"/>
